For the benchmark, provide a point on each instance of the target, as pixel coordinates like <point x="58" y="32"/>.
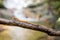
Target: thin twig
<point x="28" y="25"/>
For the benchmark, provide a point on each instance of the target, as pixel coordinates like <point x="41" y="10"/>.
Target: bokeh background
<point x="54" y="4"/>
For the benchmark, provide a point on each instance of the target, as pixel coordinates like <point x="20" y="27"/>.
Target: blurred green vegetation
<point x="55" y="4"/>
<point x="1" y="4"/>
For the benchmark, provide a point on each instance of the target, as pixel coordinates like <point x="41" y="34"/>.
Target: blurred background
<point x="49" y="9"/>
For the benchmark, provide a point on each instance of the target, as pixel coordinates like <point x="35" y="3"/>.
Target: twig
<point x="28" y="25"/>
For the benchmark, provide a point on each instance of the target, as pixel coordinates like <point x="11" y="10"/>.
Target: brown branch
<point x="23" y="24"/>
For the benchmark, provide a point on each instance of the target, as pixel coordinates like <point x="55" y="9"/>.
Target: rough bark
<point x="28" y="25"/>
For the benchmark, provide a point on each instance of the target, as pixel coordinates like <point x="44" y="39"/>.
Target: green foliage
<point x="56" y="4"/>
<point x="1" y="4"/>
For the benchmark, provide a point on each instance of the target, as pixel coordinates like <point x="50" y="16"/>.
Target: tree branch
<point x="28" y="25"/>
